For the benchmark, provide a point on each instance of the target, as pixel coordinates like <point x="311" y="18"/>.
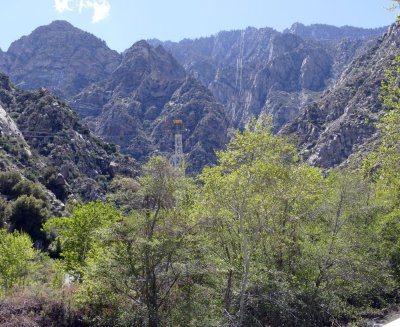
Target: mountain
<point x="41" y="136"/>
<point x="212" y="84"/>
<point x="257" y="71"/>
<point x="331" y="129"/>
<point x="130" y="99"/>
<point x="329" y="32"/>
<point x="59" y="57"/>
<point x="136" y="104"/>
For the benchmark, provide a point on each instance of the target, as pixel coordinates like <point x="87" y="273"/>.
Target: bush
<point x="25" y="187"/>
<point x="8" y="180"/>
<point x="28" y="214"/>
<point x="16" y="255"/>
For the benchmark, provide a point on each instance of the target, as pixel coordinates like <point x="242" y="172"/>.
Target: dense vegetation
<point x="260" y="239"/>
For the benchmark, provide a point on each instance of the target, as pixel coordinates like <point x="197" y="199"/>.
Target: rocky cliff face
<point x="329" y="130"/>
<point x="59" y="57"/>
<point x="39" y="132"/>
<point x="137" y="103"/>
<point x="262" y="70"/>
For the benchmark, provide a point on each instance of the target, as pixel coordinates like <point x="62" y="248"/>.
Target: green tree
<point x="16" y="260"/>
<point x="254" y="202"/>
<point x="389" y="126"/>
<point x="385" y="166"/>
<point x="28" y="214"/>
<point x="78" y="235"/>
<point x="153" y="260"/>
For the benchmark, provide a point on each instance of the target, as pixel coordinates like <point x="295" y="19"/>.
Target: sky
<point x="123" y="22"/>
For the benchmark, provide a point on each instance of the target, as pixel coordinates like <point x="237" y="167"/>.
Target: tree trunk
<point x="228" y="292"/>
<point x="243" y="286"/>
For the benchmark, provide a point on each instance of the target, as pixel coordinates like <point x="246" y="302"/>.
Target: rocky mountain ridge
<point x="144" y="94"/>
<point x="255" y="71"/>
<point x="211" y="83"/>
<point x="331" y="129"/>
<point x="41" y="134"/>
<point x="127" y="99"/>
<point x="329" y="32"/>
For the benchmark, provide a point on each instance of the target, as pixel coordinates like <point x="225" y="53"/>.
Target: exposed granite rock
<point x="59" y="57"/>
<point x="329" y="130"/>
<point x="135" y="106"/>
<point x="249" y="71"/>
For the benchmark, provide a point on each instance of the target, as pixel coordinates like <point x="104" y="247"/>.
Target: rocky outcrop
<point x="328" y="32"/>
<point x="261" y="70"/>
<point x="329" y="130"/>
<point x="59" y="57"/>
<point x="40" y="133"/>
<point x="137" y="103"/>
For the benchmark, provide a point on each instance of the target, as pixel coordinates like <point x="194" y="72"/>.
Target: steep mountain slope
<point x="137" y="103"/>
<point x="40" y="134"/>
<point x="329" y="130"/>
<point x="59" y="57"/>
<point x="262" y="70"/>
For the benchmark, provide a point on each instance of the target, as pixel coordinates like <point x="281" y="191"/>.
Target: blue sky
<point x="122" y="22"/>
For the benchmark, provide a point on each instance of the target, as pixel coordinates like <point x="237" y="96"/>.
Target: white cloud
<point x="101" y="8"/>
<point x="62" y="5"/>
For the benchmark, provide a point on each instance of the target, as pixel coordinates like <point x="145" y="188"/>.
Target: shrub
<point x="8" y="180"/>
<point x="28" y="214"/>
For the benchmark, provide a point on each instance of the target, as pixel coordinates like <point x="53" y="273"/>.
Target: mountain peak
<point x="60" y="24"/>
<point x="52" y="55"/>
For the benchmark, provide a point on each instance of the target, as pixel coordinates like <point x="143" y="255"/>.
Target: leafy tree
<point x="28" y="214"/>
<point x="16" y="260"/>
<point x="78" y="235"/>
<point x="123" y="194"/>
<point x="254" y="202"/>
<point x="153" y="261"/>
<point x="340" y="260"/>
<point x="385" y="167"/>
<point x="389" y="151"/>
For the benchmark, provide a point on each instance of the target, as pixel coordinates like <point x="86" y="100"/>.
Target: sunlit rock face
<point x="343" y="120"/>
<point x="59" y="57"/>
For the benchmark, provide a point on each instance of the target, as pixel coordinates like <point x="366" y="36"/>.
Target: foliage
<point x="78" y="234"/>
<point x="16" y="260"/>
<point x="28" y="214"/>
<point x="8" y="180"/>
<point x="389" y="152"/>
<point x="25" y="187"/>
<point x="152" y="260"/>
